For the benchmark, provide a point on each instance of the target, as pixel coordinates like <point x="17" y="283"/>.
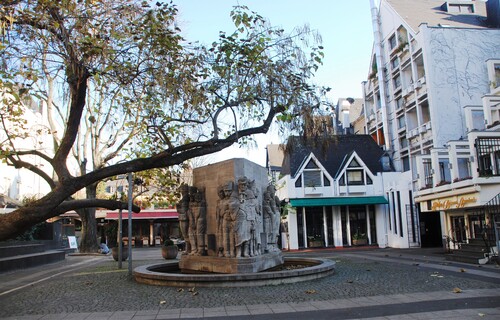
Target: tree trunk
<point x="88" y="242"/>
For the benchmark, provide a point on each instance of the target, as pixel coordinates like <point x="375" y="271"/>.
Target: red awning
<point x="145" y="214"/>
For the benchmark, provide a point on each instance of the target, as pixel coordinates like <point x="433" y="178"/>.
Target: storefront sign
<point x="72" y="242"/>
<point x="453" y="202"/>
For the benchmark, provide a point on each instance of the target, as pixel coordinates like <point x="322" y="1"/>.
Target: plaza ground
<point x="368" y="283"/>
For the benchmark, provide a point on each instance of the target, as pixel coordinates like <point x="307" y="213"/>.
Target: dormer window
<point x="461" y="7"/>
<point x="312" y="175"/>
<point x="458" y="7"/>
<point x="355" y="175"/>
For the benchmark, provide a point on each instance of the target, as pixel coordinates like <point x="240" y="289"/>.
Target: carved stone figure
<point x="197" y="216"/>
<point x="241" y="220"/>
<point x="273" y="216"/>
<point x="268" y="216"/>
<point x="200" y="216"/>
<point x="220" y="211"/>
<point x="243" y="217"/>
<point x="234" y="220"/>
<point x="182" y="209"/>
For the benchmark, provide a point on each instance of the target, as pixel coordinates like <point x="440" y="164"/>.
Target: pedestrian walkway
<point x="477" y="295"/>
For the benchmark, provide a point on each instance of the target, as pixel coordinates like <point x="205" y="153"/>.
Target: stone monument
<point x="229" y="219"/>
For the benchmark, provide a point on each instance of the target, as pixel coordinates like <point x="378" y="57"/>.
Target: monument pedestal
<point x="230" y="265"/>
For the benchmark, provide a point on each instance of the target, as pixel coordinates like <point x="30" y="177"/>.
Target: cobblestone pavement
<point x="94" y="285"/>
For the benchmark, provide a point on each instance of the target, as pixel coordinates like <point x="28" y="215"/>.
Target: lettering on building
<point x="456" y="203"/>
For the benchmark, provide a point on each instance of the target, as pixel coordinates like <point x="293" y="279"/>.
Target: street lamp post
<point x="120" y="239"/>
<point x="130" y="186"/>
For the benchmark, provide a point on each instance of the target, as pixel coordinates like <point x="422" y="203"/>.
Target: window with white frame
<point x="392" y="42"/>
<point x="428" y="172"/>
<point x="312" y="177"/>
<point x="493" y="66"/>
<point x="444" y="170"/>
<point x="461" y="7"/>
<point x="355" y="175"/>
<point x="464" y="169"/>
<point x="488" y="155"/>
<point x="397" y="82"/>
<point x="496" y="69"/>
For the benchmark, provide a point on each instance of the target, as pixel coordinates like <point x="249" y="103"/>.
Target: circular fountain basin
<point x="168" y="274"/>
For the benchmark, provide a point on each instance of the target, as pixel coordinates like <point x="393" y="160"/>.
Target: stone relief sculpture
<point x="274" y="218"/>
<point x="182" y="209"/>
<point x="242" y="218"/>
<point x="197" y="215"/>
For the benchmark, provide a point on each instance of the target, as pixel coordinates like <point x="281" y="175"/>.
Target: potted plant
<point x="114" y="252"/>
<point x="111" y="232"/>
<point x="169" y="250"/>
<point x="359" y="239"/>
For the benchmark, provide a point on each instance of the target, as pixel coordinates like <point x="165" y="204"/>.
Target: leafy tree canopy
<point x="180" y="100"/>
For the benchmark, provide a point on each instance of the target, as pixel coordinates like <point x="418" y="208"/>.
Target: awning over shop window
<point x="337" y="201"/>
<point x="149" y="215"/>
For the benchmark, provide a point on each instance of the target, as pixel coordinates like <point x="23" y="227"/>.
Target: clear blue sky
<point x="345" y="27"/>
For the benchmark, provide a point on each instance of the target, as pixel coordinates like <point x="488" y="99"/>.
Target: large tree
<point x="189" y="100"/>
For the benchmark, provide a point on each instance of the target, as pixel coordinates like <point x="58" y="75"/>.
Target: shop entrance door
<point x="458" y="229"/>
<point x="430" y="229"/>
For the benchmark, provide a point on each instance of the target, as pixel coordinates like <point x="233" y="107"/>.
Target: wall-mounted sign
<point x="455" y="202"/>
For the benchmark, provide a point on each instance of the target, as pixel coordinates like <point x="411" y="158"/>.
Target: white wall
<point x="393" y="182"/>
<point x="457" y="75"/>
<point x="293" y="240"/>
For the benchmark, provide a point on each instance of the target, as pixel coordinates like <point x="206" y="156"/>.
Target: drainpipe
<point x="380" y="71"/>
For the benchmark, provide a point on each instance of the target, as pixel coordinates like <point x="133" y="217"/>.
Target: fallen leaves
<point x="310" y="291"/>
<point x="457" y="290"/>
<point x="437" y="275"/>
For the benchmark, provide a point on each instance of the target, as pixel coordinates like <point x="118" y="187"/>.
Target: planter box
<point x="359" y="242"/>
<point x="315" y="243"/>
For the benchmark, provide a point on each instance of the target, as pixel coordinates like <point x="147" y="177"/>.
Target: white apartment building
<point x="21" y="183"/>
<point x="432" y="100"/>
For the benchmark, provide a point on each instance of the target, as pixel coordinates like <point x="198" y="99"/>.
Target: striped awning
<point x="145" y="214"/>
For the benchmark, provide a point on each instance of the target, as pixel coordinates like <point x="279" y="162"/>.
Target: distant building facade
<point x="333" y="189"/>
<point x="432" y="101"/>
